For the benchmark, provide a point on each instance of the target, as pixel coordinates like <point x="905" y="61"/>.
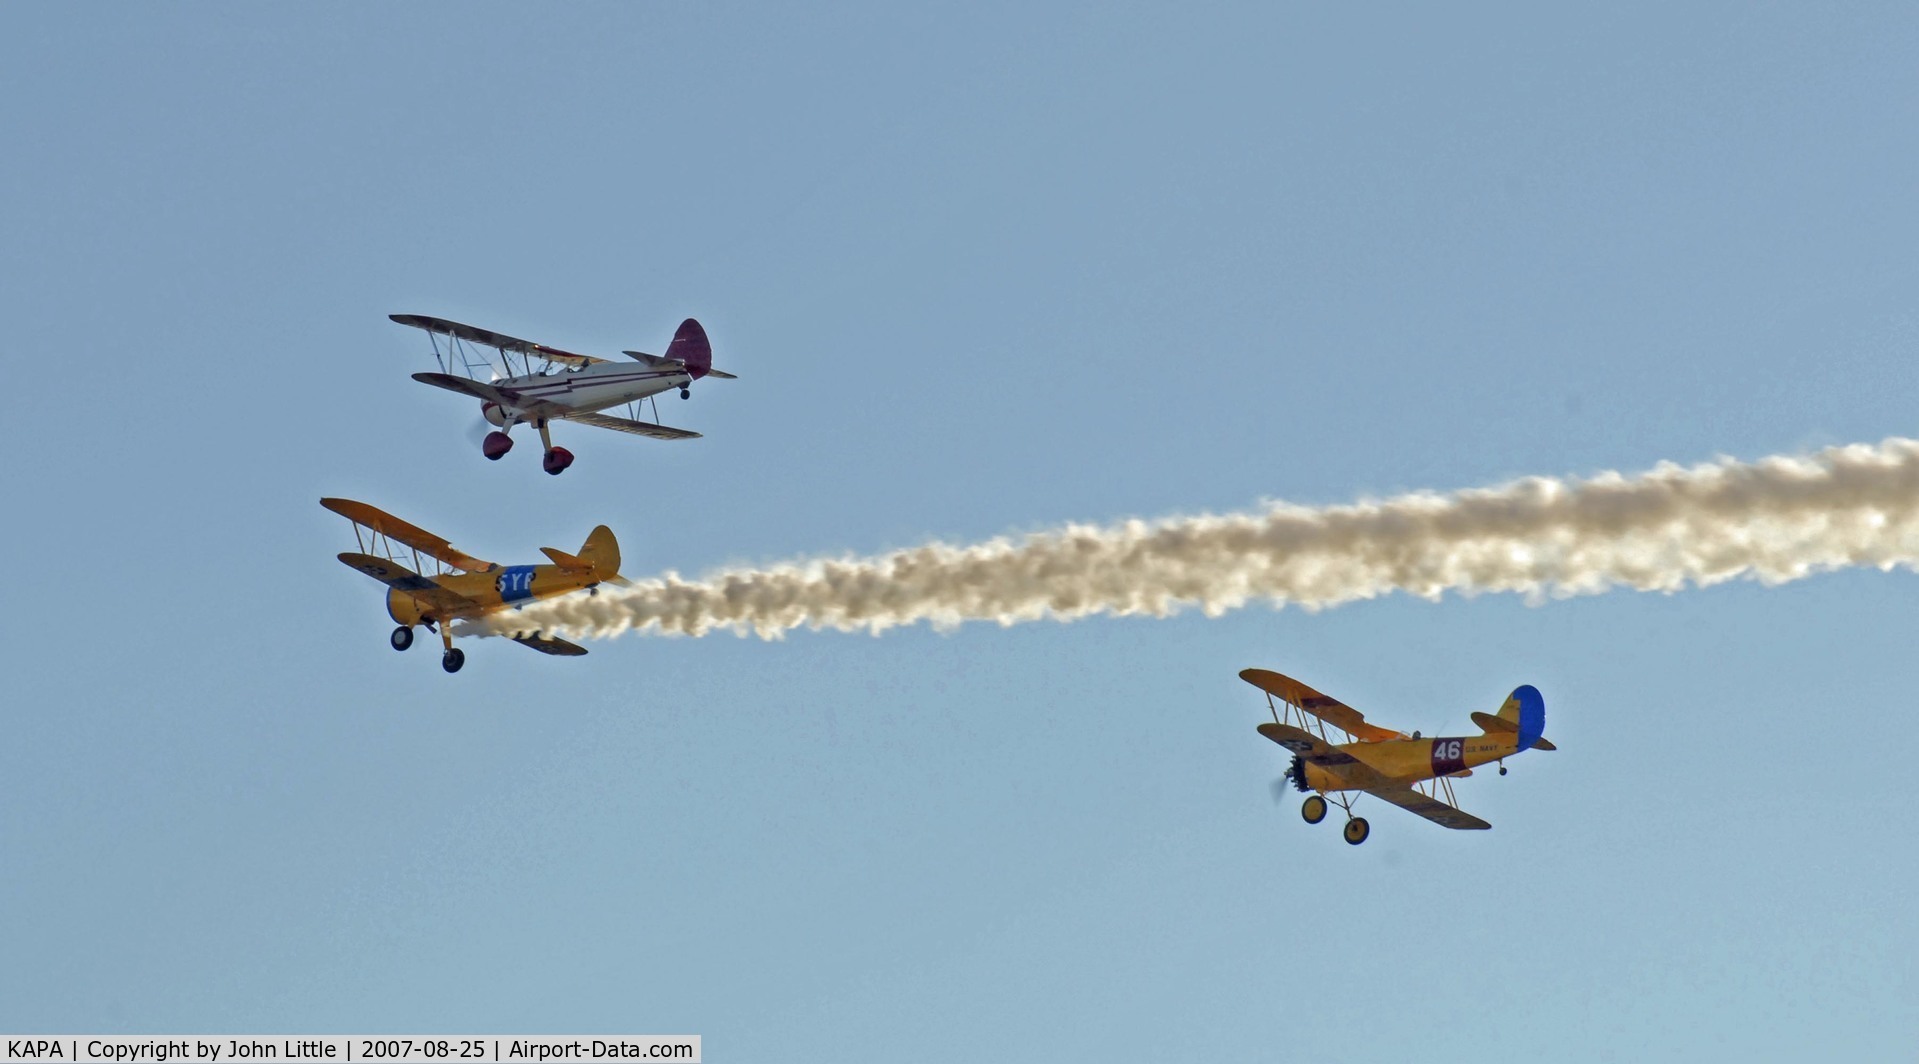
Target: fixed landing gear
<point x="496" y="445"/>
<point x="454" y="657"/>
<point x="1502" y="770"/>
<point x="1313" y="809"/>
<point x="402" y="637"/>
<point x="557" y="458"/>
<point x="686" y="393"/>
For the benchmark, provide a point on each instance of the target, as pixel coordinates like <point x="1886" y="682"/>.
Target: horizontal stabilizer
<point x="657" y="361"/>
<point x="549" y="644"/>
<point x="565" y="560"/>
<point x="1492" y="725"/>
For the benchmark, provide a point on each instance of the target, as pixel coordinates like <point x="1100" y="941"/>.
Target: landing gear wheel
<point x="453" y="659"/>
<point x="402" y="637"/>
<point x="1502" y="770"/>
<point x="686" y="393"/>
<point x="1313" y="809"/>
<point x="1357" y="829"/>
<point x="496" y="445"/>
<point x="556" y="461"/>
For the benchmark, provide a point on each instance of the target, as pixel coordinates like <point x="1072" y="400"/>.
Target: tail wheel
<point x="556" y="461"/>
<point x="1357" y="829"/>
<point x="453" y="659"/>
<point x="686" y="393"/>
<point x="1313" y="809"/>
<point x="402" y="637"/>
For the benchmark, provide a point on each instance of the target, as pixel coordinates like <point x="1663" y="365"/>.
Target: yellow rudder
<point x="602" y="552"/>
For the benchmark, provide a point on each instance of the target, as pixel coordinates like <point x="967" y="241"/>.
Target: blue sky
<point x="981" y="269"/>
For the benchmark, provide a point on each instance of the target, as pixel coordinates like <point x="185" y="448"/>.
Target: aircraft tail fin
<point x="690" y="346"/>
<point x="601" y="553"/>
<point x="1524" y="711"/>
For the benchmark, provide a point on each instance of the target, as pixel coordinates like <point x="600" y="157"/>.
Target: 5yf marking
<point x="515" y="583"/>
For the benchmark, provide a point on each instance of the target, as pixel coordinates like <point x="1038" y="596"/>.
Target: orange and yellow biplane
<point x="1412" y="773"/>
<point x="461" y="587"/>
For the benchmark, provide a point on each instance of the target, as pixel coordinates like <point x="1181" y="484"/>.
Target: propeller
<point x="1293" y="779"/>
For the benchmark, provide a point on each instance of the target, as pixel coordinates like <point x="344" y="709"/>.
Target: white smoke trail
<point x="1773" y="520"/>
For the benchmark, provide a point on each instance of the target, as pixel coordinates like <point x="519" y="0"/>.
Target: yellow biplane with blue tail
<point x="1408" y="771"/>
<point x="430" y="583"/>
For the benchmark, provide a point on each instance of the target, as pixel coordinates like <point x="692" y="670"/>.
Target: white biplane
<point x="564" y="386"/>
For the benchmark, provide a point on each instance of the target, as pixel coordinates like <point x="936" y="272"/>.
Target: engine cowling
<point x="402" y="607"/>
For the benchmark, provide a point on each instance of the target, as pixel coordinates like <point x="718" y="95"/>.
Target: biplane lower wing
<point x="547" y="644"/>
<point x="1316" y="751"/>
<point x="1431" y="808"/>
<point x="432" y="596"/>
<point x="637" y="428"/>
<point x="453" y="382"/>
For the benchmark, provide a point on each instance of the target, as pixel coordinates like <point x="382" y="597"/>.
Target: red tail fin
<point x="689" y="346"/>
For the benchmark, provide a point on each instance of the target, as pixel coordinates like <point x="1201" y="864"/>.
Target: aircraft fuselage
<point x="594" y="387"/>
<point x="1359" y="766"/>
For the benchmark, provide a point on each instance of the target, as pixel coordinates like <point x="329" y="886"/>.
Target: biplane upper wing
<point x="1314" y="750"/>
<point x="549" y="644"/>
<point x="1429" y="807"/>
<point x="435" y="598"/>
<point x="393" y="528"/>
<point x="637" y="428"/>
<point x="1331" y="710"/>
<point x="475" y="335"/>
